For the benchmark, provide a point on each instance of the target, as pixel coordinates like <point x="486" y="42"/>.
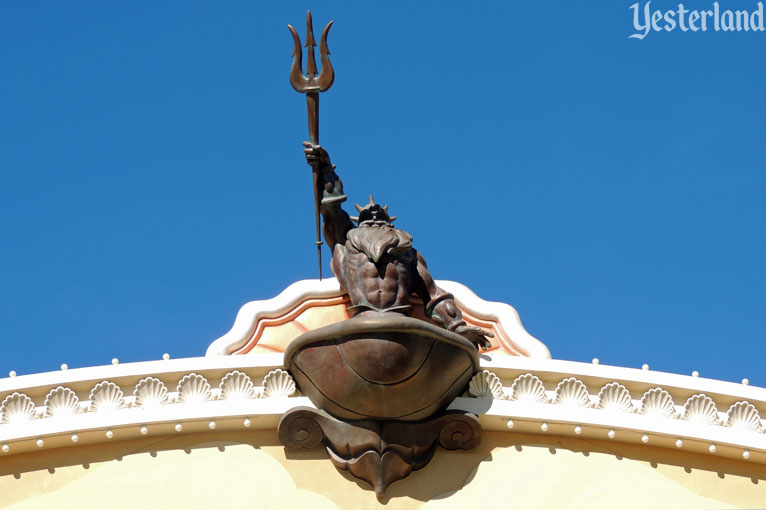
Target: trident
<point x="312" y="84"/>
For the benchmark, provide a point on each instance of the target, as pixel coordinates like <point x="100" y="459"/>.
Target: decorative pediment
<point x="268" y="326"/>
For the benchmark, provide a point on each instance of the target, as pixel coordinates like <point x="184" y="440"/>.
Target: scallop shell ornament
<point x="193" y="389"/>
<point x="658" y="402"/>
<point x="278" y="383"/>
<point x="743" y="416"/>
<point x="615" y="397"/>
<point x="528" y="388"/>
<point x="150" y="392"/>
<point x="17" y="408"/>
<point x="700" y="409"/>
<point x="572" y="392"/>
<point x="60" y="402"/>
<point x="237" y="386"/>
<point x="485" y="384"/>
<point x="106" y="396"/>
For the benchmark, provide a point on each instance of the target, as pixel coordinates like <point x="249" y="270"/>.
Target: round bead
<point x="611" y="434"/>
<point x="143" y="430"/>
<point x="179" y="427"/>
<point x="75" y="438"/>
<point x="12" y="373"/>
<point x="247" y="422"/>
<point x="746" y="454"/>
<point x="6" y="448"/>
<point x="578" y="430"/>
<point x="595" y="361"/>
<point x="40" y="443"/>
<point x="211" y="424"/>
<point x="115" y="361"/>
<point x="509" y="424"/>
<point x="712" y="448"/>
<point x="544" y="427"/>
<point x="166" y="356"/>
<point x="64" y="366"/>
<point x="695" y="374"/>
<point x="679" y="443"/>
<point x="644" y="438"/>
<point x="109" y="434"/>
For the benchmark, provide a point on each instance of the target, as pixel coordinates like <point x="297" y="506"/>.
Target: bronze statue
<point x="375" y="262"/>
<point x="381" y="381"/>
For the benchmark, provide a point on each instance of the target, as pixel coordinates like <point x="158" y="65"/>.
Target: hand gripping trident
<point x="312" y="84"/>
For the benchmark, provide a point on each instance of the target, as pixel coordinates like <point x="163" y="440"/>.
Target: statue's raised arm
<point x="336" y="221"/>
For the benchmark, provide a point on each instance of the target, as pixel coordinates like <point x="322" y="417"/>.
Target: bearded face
<point x="377" y="238"/>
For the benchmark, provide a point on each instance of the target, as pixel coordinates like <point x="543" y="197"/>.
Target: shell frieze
<point x="528" y="388"/>
<point x="150" y="392"/>
<point x="572" y="392"/>
<point x="658" y="402"/>
<point x="700" y="409"/>
<point x="17" y="408"/>
<point x="278" y="383"/>
<point x="106" y="396"/>
<point x="615" y="397"/>
<point x="743" y="416"/>
<point x="60" y="402"/>
<point x="237" y="386"/>
<point x="193" y="389"/>
<point x="485" y="384"/>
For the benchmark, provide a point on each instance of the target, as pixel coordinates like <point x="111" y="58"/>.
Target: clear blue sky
<point x="153" y="181"/>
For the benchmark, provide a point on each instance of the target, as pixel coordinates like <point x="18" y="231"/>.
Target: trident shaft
<point x="311" y="84"/>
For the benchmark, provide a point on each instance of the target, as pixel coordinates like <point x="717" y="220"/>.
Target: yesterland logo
<point x="715" y="19"/>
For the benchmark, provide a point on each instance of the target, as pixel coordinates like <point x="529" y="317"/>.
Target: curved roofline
<point x="248" y="316"/>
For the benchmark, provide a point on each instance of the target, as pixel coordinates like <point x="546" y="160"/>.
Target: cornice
<point x="511" y="394"/>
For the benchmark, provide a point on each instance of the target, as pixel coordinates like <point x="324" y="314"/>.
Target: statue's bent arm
<point x="441" y="308"/>
<point x="439" y="305"/>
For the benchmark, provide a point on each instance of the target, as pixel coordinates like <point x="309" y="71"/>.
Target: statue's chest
<point x="387" y="268"/>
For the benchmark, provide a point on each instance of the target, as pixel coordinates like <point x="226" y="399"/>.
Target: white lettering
<point x="646" y="19"/>
<point x="705" y="14"/>
<point x="757" y="14"/>
<point x="681" y="12"/>
<point x="727" y="21"/>
<point x="670" y="23"/>
<point x="716" y="16"/>
<point x="636" y="24"/>
<point x="693" y="17"/>
<point x="743" y="21"/>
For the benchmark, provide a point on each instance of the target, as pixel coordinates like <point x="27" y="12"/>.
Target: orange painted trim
<point x="505" y="341"/>
<point x="288" y="317"/>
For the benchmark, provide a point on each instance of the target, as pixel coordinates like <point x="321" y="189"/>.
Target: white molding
<point x="592" y="374"/>
<point x="34" y="384"/>
<point x="549" y="415"/>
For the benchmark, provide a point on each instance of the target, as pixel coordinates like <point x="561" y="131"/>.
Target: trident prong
<point x="310" y="82"/>
<point x="311" y="85"/>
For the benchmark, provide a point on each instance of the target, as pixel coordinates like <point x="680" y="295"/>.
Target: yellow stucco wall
<point x="250" y="470"/>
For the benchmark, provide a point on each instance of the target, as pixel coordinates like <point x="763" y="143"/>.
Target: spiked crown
<point x="372" y="212"/>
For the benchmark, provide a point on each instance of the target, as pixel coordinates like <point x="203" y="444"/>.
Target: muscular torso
<point x="385" y="286"/>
